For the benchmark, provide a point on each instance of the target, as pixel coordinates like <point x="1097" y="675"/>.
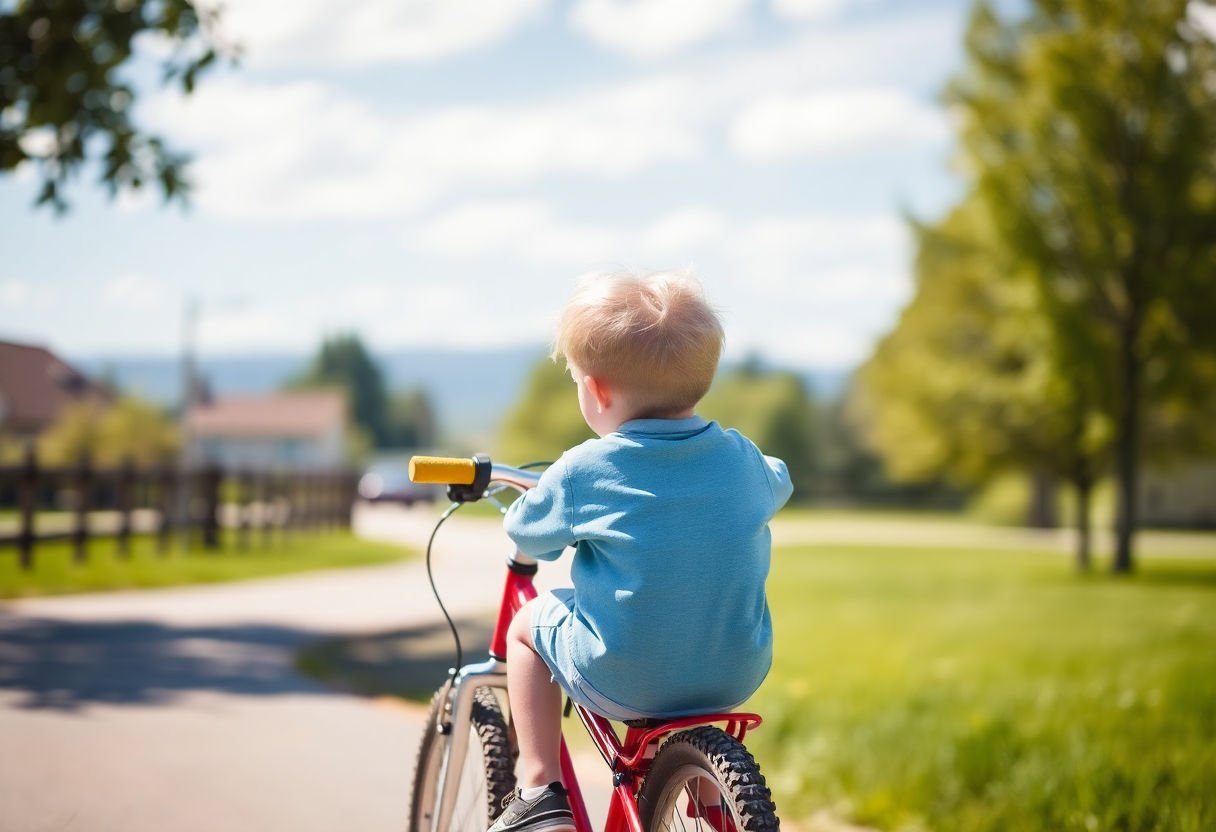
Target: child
<point x="668" y="514"/>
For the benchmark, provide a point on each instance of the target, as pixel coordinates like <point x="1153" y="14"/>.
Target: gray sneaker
<point x="550" y="811"/>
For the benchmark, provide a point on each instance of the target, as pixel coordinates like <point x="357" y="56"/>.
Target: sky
<point x="440" y="173"/>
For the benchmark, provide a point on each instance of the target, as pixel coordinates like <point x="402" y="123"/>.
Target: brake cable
<point x="430" y="575"/>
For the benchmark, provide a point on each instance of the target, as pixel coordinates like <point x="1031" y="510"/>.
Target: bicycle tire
<point x="706" y="755"/>
<point x="488" y="775"/>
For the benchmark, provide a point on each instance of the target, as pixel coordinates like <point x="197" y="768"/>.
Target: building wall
<point x="1184" y="496"/>
<point x="269" y="452"/>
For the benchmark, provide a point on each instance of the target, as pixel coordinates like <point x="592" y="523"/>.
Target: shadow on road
<point x="68" y="665"/>
<point x="410" y="663"/>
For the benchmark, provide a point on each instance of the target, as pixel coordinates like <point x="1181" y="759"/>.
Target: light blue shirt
<point x="669" y="519"/>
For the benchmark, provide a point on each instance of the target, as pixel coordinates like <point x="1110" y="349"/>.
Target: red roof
<point x="36" y="385"/>
<point x="303" y="413"/>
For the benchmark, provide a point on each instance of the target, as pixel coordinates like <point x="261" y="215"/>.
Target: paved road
<point x="179" y="710"/>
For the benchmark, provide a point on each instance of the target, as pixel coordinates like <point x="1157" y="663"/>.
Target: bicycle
<point x="702" y="777"/>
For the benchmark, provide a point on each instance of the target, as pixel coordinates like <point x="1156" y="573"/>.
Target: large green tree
<point x="774" y="410"/>
<point x="344" y="362"/>
<point x="64" y="97"/>
<point x="410" y="421"/>
<point x="970" y="383"/>
<point x="1089" y="130"/>
<point x="546" y="419"/>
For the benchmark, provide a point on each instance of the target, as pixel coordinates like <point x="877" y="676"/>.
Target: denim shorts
<point x="552" y="617"/>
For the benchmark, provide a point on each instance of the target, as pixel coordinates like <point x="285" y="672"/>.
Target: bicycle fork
<point x="491" y="673"/>
<point x="488" y="674"/>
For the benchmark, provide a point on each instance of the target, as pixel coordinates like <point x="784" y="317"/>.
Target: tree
<point x="342" y="361"/>
<point x="62" y="100"/>
<point x="774" y="410"/>
<point x="411" y="421"/>
<point x="971" y="382"/>
<point x="771" y="408"/>
<point x="546" y="419"/>
<point x="1089" y="128"/>
<point x="129" y="429"/>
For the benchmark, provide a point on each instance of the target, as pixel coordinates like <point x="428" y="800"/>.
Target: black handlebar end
<point x="481" y="480"/>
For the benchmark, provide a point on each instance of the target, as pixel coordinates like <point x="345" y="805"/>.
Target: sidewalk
<point x="179" y="709"/>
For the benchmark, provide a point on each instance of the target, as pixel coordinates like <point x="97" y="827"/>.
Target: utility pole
<point x="189" y="391"/>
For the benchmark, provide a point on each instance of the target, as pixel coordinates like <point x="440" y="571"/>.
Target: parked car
<point x="391" y="484"/>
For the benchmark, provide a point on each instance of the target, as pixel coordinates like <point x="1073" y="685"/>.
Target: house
<point x="36" y="386"/>
<point x="1179" y="497"/>
<point x="303" y="429"/>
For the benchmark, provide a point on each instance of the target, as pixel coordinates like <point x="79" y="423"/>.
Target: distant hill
<point x="470" y="390"/>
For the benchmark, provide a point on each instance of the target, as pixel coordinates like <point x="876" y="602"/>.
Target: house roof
<point x="36" y="385"/>
<point x="297" y="414"/>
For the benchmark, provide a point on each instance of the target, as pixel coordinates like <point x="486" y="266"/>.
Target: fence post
<point x="84" y="494"/>
<point x="27" y="489"/>
<point x="211" y="477"/>
<point x="168" y="504"/>
<point x="350" y="494"/>
<point x="124" y="498"/>
<point x="261" y="493"/>
<point x="244" y="507"/>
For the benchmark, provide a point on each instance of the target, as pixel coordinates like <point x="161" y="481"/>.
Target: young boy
<point x="669" y="517"/>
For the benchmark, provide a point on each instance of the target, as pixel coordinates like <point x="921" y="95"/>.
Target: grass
<point x="55" y="572"/>
<point x="916" y="689"/>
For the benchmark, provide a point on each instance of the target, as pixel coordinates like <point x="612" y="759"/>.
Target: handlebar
<point x="468" y="478"/>
<point x="442" y="470"/>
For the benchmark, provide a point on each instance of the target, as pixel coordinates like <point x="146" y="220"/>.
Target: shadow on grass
<point x="1198" y="575"/>
<point x="409" y="663"/>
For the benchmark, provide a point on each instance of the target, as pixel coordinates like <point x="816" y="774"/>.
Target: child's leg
<point x="536" y="703"/>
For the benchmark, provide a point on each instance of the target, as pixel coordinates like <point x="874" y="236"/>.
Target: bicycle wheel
<point x="488" y="774"/>
<point x="704" y="779"/>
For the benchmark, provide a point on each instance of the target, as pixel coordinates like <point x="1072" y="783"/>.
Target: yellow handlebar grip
<point x="442" y="470"/>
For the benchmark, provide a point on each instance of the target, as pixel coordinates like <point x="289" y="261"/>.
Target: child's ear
<point x="599" y="391"/>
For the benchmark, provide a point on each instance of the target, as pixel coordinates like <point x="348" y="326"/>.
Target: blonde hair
<point x="654" y="336"/>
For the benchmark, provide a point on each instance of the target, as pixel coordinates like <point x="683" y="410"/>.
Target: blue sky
<point x="440" y="174"/>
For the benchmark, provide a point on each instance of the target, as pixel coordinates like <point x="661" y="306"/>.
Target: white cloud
<point x="529" y="231"/>
<point x="833" y="121"/>
<point x="22" y="294"/>
<point x="307" y="151"/>
<point x="524" y="229"/>
<point x="653" y="27"/>
<point x="814" y="342"/>
<point x="816" y="238"/>
<point x="682" y="231"/>
<point x="133" y="291"/>
<point x="14" y="292"/>
<point x="808" y="9"/>
<point x="806" y="289"/>
<point x="312" y="33"/>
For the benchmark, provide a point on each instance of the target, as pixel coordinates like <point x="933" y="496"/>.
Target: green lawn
<point x="916" y="690"/>
<point x="55" y="573"/>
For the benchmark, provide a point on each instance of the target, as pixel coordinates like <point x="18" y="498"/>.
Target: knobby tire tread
<point x="725" y="758"/>
<point x="498" y="756"/>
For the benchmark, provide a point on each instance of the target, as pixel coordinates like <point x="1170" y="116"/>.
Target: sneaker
<point x="549" y="811"/>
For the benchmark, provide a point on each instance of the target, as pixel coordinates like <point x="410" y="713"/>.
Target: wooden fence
<point x="80" y="503"/>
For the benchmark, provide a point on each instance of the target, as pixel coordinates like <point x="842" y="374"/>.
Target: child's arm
<point x="779" y="479"/>
<point x="540" y="521"/>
